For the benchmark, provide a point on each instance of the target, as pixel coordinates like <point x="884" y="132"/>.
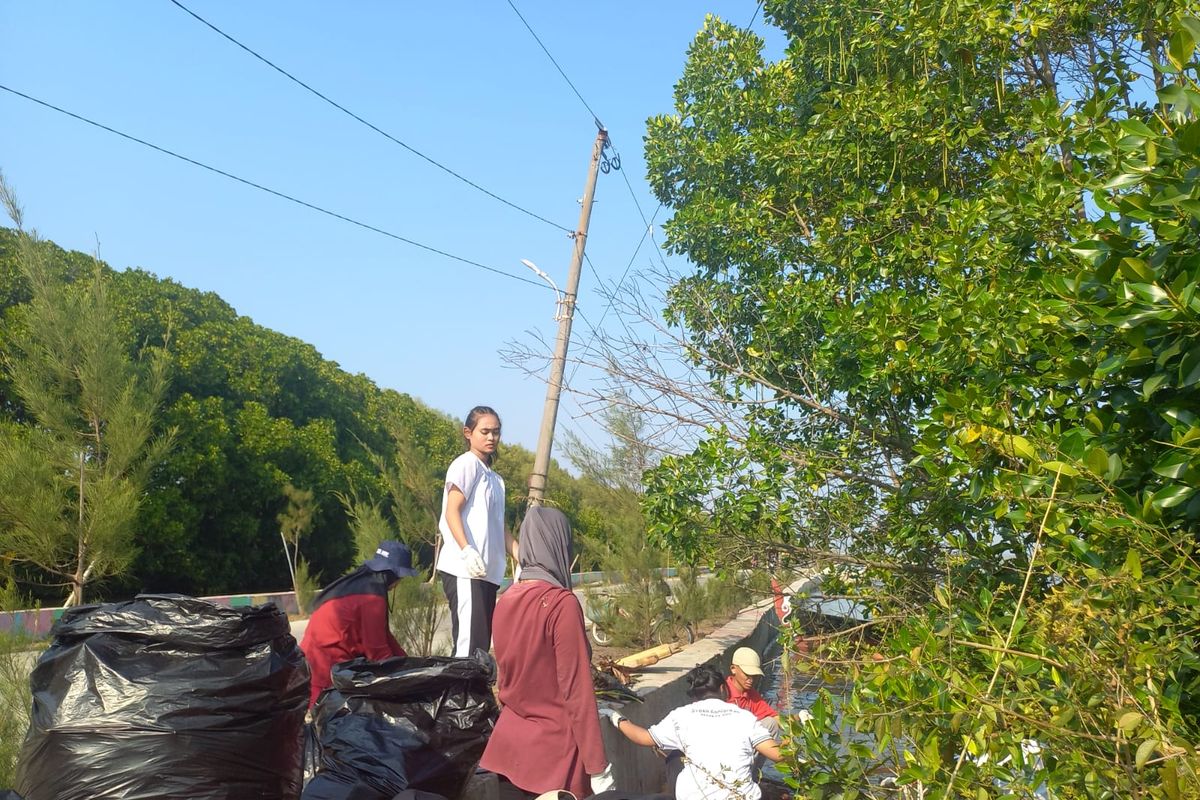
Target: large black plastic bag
<point x="403" y="723"/>
<point x="167" y="696"/>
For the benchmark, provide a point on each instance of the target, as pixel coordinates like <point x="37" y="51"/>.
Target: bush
<point x="18" y="653"/>
<point x="725" y="594"/>
<point x="307" y="586"/>
<point x="636" y="595"/>
<point x="417" y="609"/>
<point x="691" y="596"/>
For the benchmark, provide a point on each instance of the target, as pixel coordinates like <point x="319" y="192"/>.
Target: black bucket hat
<point x="392" y="556"/>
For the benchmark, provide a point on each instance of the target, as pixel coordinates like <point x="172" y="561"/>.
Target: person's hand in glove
<point x="602" y="781"/>
<point x="613" y="716"/>
<point x="473" y="562"/>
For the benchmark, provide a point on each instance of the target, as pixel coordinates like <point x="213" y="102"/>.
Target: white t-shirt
<point x="718" y="740"/>
<point x="483" y="517"/>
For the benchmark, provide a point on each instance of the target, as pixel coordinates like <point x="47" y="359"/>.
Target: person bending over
<point x="718" y="740"/>
<point x="350" y="616"/>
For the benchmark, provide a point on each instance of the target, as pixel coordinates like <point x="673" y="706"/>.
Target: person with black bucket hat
<point x="350" y="616"/>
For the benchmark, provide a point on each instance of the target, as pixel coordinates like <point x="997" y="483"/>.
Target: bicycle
<point x="668" y="626"/>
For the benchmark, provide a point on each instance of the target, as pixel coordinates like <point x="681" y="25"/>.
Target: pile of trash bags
<point x="167" y="696"/>
<point x="404" y="726"/>
<point x="171" y="696"/>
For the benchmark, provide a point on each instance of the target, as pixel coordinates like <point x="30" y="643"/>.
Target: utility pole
<point x="541" y="459"/>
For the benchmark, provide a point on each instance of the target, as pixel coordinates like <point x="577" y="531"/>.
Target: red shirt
<point x="750" y="700"/>
<point x="350" y="625"/>
<point x="548" y="734"/>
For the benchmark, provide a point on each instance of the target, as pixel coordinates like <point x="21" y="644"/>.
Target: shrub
<point x="18" y="653"/>
<point x="417" y="609"/>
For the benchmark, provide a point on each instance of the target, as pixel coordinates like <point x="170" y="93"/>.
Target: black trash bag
<point x="311" y="752"/>
<point x="407" y="794"/>
<point x="9" y="794"/>
<point x="167" y="696"/>
<point x="403" y="723"/>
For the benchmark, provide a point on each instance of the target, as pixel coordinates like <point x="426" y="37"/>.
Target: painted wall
<point x="38" y="622"/>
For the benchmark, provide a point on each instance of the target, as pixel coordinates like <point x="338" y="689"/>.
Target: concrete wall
<point x="38" y="622"/>
<point x="663" y="689"/>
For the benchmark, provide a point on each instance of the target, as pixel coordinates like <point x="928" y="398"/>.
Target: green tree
<point x="945" y="289"/>
<point x="295" y="522"/>
<point x="255" y="410"/>
<point x="74" y="478"/>
<point x="618" y="542"/>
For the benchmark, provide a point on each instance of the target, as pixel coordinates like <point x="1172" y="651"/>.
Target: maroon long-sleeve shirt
<point x="350" y="621"/>
<point x="548" y="734"/>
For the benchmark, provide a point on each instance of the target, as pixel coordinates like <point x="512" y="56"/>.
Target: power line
<point x="757" y="8"/>
<point x="373" y="127"/>
<point x="274" y="192"/>
<point x="536" y="38"/>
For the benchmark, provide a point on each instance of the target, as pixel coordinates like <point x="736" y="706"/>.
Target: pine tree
<point x="75" y="475"/>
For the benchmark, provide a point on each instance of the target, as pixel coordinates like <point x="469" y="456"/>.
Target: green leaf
<point x="1059" y="466"/>
<point x="1173" y="95"/>
<point x="1171" y="496"/>
<point x="1192" y="24"/>
<point x="1097" y="460"/>
<point x="1151" y="292"/>
<point x="1130" y="720"/>
<point x="1151" y="384"/>
<point x="1116" y="468"/>
<point x="1090" y="249"/>
<point x="1181" y="47"/>
<point x="1144" y="751"/>
<point x="1170" y="779"/>
<point x="1022" y="448"/>
<point x="1189" y="368"/>
<point x="1136" y="127"/>
<point x="1133" y="565"/>
<point x="1121" y="181"/>
<point x="1173" y="464"/>
<point x="1136" y="269"/>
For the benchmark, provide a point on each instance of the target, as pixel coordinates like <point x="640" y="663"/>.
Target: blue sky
<point x="463" y="83"/>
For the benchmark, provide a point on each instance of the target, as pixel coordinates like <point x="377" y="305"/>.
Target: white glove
<point x="473" y="562"/>
<point x="602" y="781"/>
<point x="613" y="716"/>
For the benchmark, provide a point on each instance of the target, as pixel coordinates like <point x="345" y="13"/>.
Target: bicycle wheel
<point x="599" y="635"/>
<point x="672" y="629"/>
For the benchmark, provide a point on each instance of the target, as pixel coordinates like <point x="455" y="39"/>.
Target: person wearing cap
<point x="350" y="616"/>
<point x="548" y="733"/>
<point x="744" y="670"/>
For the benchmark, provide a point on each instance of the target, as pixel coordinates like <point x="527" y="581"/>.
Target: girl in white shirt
<point x="473" y="560"/>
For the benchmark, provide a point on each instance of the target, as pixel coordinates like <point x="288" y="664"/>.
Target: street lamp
<point x="558" y="296"/>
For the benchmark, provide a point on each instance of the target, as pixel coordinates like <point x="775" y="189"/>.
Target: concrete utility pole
<point x="541" y="459"/>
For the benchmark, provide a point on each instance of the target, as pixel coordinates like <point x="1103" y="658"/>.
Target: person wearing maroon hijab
<point x="548" y="734"/>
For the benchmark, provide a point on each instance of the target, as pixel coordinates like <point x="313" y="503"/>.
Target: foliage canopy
<point x="947" y="259"/>
<point x="253" y="411"/>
